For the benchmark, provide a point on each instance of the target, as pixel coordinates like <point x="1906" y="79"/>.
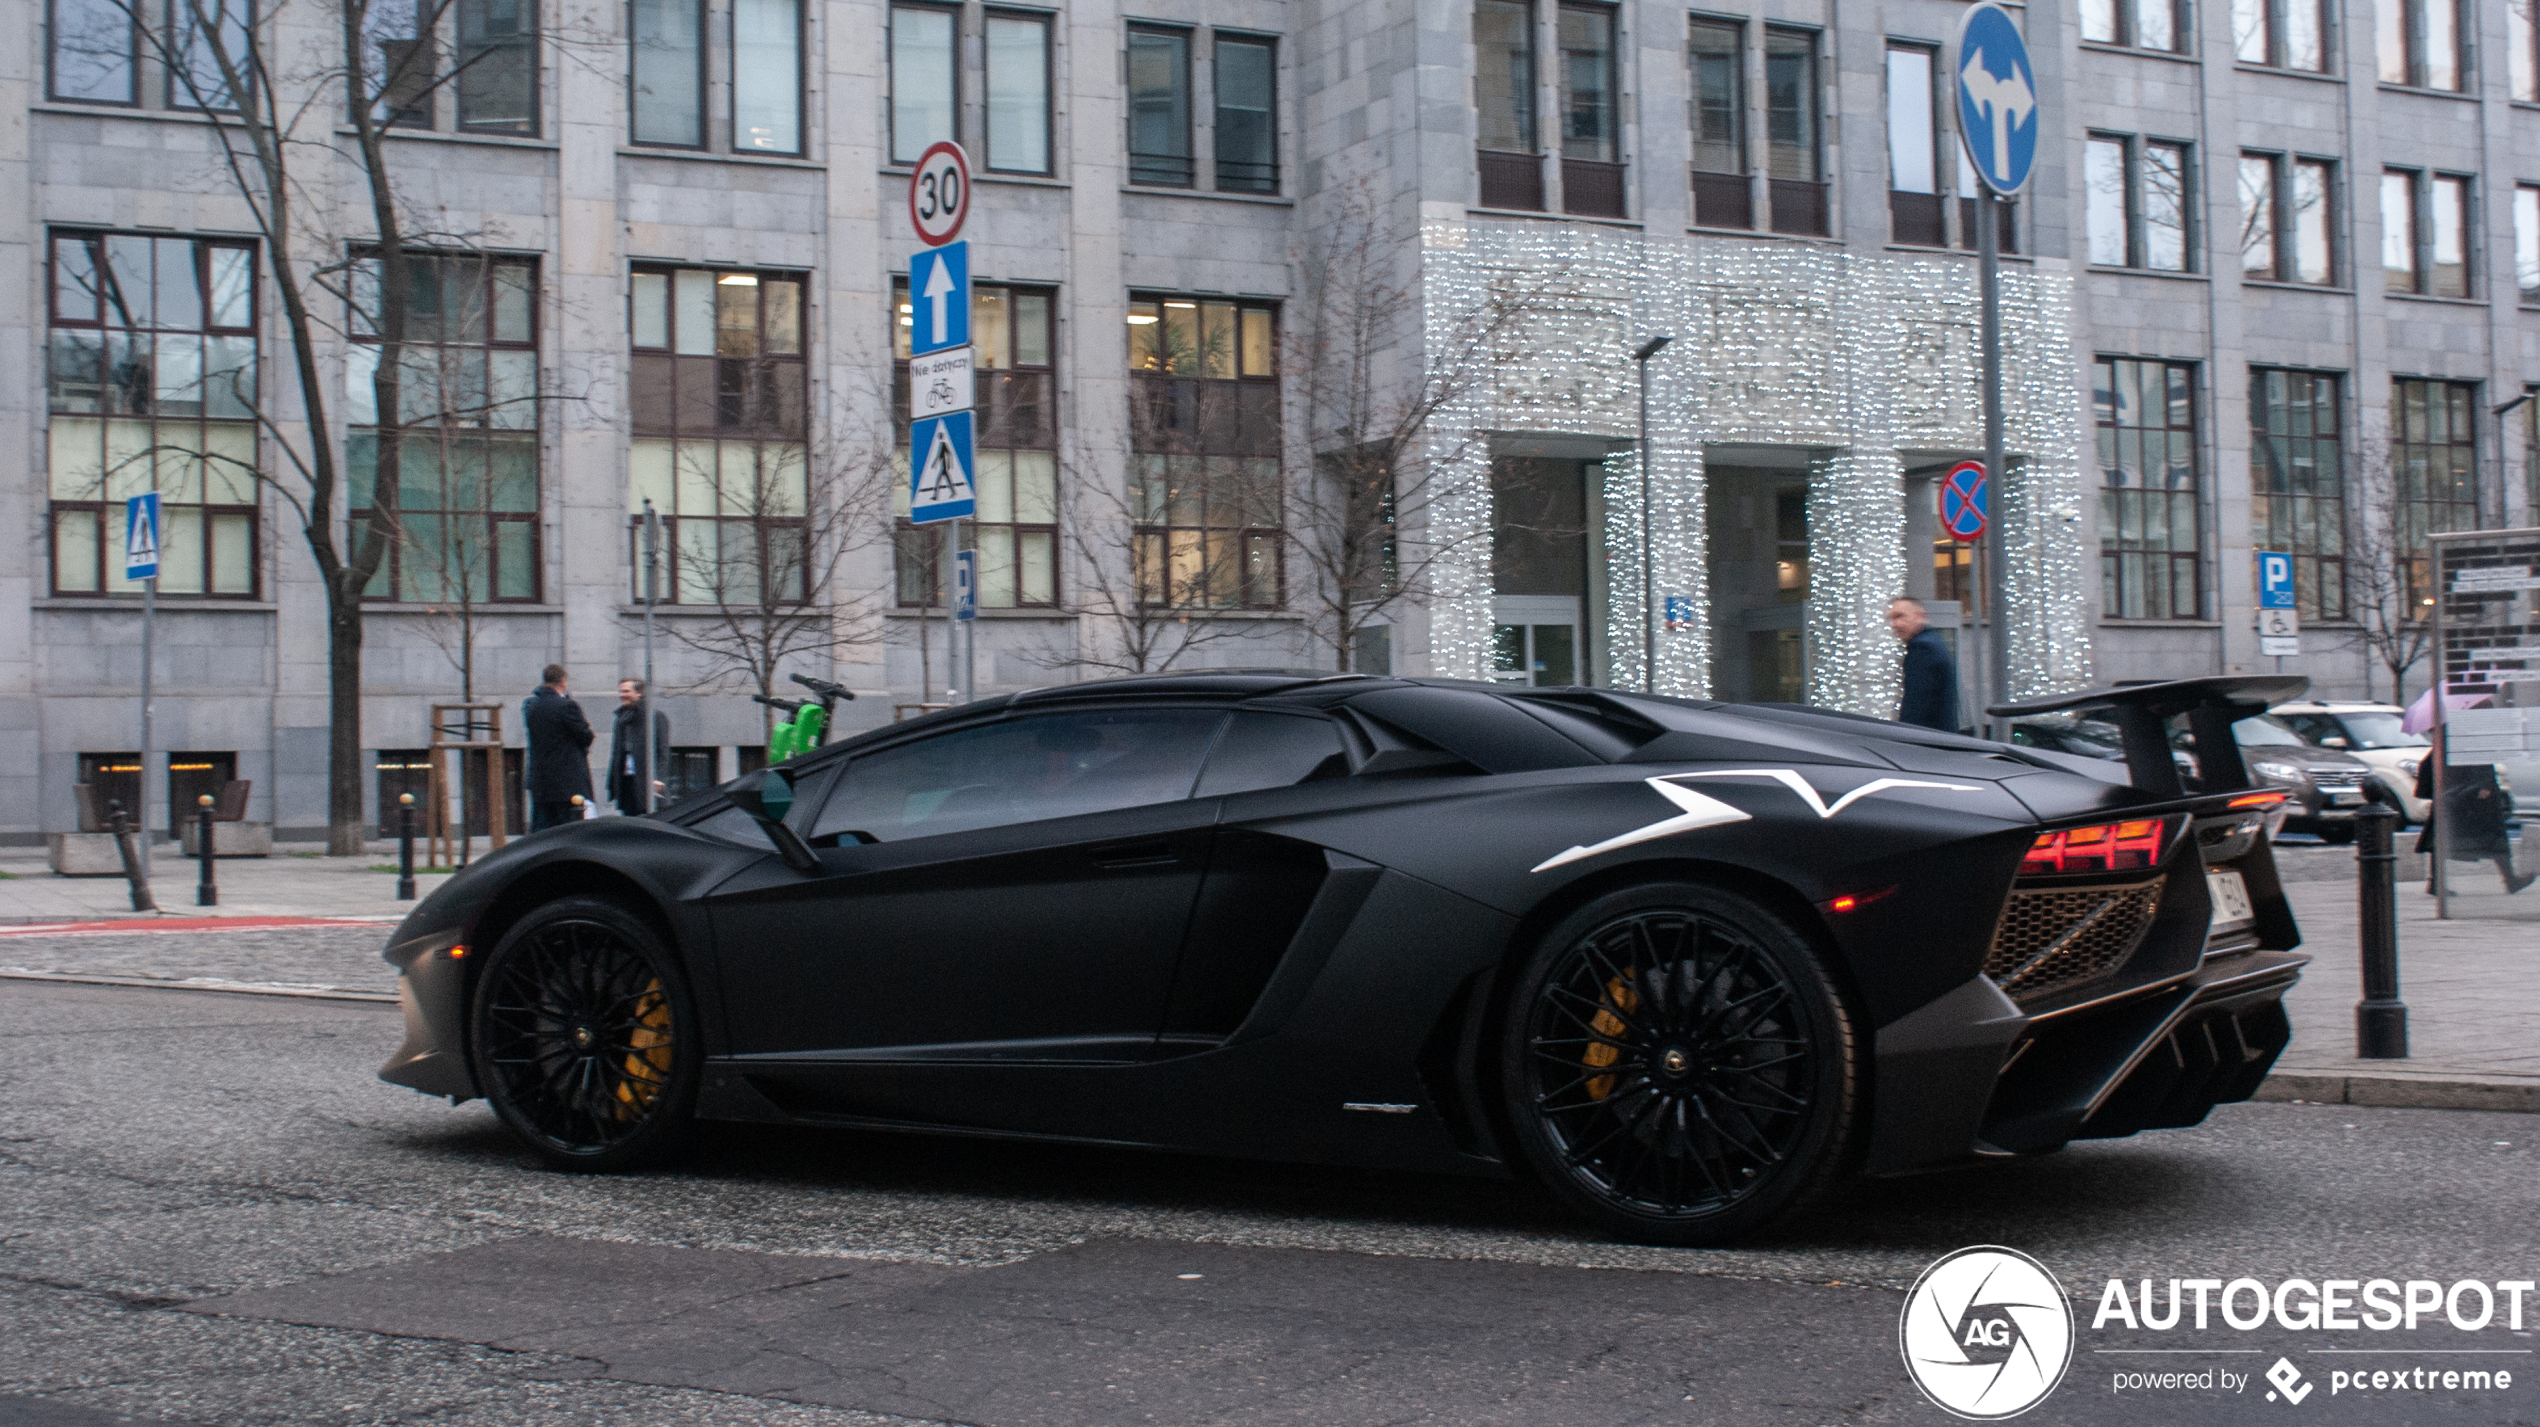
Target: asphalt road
<point x="212" y="1213"/>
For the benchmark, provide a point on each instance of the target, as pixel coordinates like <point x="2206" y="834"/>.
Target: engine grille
<point x="2051" y="940"/>
<point x="2340" y="777"/>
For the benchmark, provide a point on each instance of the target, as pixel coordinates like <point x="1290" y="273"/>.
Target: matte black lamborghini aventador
<point x="1686" y="964"/>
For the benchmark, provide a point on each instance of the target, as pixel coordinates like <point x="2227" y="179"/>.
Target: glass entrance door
<point x="1535" y="640"/>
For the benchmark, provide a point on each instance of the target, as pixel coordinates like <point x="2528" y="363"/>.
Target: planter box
<point x="83" y="854"/>
<point x="239" y="839"/>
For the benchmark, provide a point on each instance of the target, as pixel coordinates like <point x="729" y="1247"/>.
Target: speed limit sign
<point x="939" y="194"/>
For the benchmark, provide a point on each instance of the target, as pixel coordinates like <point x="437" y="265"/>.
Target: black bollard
<point x="2381" y="1018"/>
<point x="206" y="891"/>
<point x="405" y="847"/>
<point x="118" y="822"/>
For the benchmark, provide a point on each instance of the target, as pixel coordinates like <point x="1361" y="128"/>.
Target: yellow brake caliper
<point x="648" y="1054"/>
<point x="1618" y="997"/>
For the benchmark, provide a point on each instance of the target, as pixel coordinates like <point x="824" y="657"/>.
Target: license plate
<point x="2231" y="898"/>
<point x="2346" y="797"/>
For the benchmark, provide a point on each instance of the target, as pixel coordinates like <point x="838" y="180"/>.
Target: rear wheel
<point x="585" y="1038"/>
<point x="1679" y="1066"/>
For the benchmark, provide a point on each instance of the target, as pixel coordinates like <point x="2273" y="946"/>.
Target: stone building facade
<point x="2258" y="231"/>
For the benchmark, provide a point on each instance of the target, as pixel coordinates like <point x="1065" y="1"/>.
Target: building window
<point x="1913" y="148"/>
<point x="2138" y="211"/>
<point x="493" y="71"/>
<point x="1793" y="144"/>
<point x="2527" y="242"/>
<point x="925" y="81"/>
<point x="2522" y="50"/>
<point x="2142" y="24"/>
<point x="1018" y="85"/>
<point x="2150" y="501"/>
<point x="1204" y="438"/>
<point x="464" y="515"/>
<point x="670" y="73"/>
<point x="94" y="52"/>
<point x="1160" y="107"/>
<point x="1015" y="433"/>
<point x="1715" y="57"/>
<point x="2285" y="230"/>
<point x="151" y="384"/>
<point x="720" y="407"/>
<point x="767" y="76"/>
<point x="2433" y="466"/>
<point x="1247" y="114"/>
<point x="2425" y="233"/>
<point x="204" y="39"/>
<point x="2419" y="42"/>
<point x="2297" y="470"/>
<point x="1591" y="142"/>
<point x="2284" y="34"/>
<point x="1504" y="98"/>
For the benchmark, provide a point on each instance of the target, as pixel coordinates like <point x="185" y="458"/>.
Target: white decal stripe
<point x="1700" y="811"/>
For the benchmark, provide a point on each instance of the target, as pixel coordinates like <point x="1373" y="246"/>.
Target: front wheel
<point x="585" y="1038"/>
<point x="1678" y="1065"/>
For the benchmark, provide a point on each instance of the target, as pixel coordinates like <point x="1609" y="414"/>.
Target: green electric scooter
<point x="808" y="727"/>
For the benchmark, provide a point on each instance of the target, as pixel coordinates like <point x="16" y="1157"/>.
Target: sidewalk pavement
<point x="2473" y="1013"/>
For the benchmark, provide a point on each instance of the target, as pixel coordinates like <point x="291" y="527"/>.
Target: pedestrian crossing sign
<point x="939" y="480"/>
<point x="141" y="536"/>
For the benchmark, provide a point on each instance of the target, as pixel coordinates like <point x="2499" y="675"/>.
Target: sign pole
<point x="149" y="627"/>
<point x="141" y="562"/>
<point x="941" y="385"/>
<point x="1997" y="600"/>
<point x="644" y="705"/>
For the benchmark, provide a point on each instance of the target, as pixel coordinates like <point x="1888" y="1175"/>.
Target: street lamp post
<point x="2504" y="473"/>
<point x="1648" y="571"/>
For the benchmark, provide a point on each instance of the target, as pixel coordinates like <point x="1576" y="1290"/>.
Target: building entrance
<point x="1545" y="513"/>
<point x="1759" y="569"/>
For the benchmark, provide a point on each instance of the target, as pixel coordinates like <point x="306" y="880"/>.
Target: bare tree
<point x="2387" y="585"/>
<point x="756" y="548"/>
<point x="275" y="111"/>
<point x="1371" y="386"/>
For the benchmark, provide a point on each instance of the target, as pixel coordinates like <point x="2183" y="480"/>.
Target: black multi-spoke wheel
<point x="583" y="1037"/>
<point x="1678" y="1065"/>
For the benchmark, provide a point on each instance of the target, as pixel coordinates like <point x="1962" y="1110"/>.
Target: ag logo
<point x="1987" y="1333"/>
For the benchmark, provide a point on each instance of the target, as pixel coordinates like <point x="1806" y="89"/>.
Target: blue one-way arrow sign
<point x="939" y="299"/>
<point x="1997" y="98"/>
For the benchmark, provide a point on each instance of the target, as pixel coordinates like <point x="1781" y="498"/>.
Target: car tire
<point x="585" y="1039"/>
<point x="2337" y="834"/>
<point x="1678" y="1065"/>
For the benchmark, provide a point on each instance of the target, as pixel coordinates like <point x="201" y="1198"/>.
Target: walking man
<point x="1931" y="675"/>
<point x="559" y="751"/>
<point x="628" y="773"/>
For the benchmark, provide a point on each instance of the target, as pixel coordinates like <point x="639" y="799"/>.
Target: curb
<point x="2403" y="1092"/>
<point x="203" y="983"/>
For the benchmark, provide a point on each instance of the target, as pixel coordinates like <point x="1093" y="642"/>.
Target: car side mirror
<point x="767" y="795"/>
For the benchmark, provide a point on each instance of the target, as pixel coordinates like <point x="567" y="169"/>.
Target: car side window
<point x="1027" y="769"/>
<point x="1272" y="750"/>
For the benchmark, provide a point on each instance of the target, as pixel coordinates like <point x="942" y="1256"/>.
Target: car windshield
<point x="2265" y="732"/>
<point x="2378" y="730"/>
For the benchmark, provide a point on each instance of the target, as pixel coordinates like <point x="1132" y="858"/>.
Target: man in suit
<point x="628" y="773"/>
<point x="1931" y="675"/>
<point x="559" y="751"/>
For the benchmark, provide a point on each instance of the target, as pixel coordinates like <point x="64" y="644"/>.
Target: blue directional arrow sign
<point x="939" y="486"/>
<point x="1997" y="98"/>
<point x="939" y="299"/>
<point x="2275" y="579"/>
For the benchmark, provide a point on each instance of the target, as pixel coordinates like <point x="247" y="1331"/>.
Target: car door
<point x="1007" y="891"/>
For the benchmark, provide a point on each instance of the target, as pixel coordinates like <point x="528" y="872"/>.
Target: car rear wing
<point x="2142" y="713"/>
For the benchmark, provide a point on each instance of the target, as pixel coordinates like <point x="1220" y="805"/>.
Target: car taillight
<point x="2109" y="847"/>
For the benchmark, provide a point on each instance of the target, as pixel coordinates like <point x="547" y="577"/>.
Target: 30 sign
<point x="939" y="194"/>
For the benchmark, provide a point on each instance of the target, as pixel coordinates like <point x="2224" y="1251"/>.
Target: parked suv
<point x="2370" y="732"/>
<point x="2326" y="788"/>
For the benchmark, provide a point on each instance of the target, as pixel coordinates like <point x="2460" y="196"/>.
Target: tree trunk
<point x="344" y="830"/>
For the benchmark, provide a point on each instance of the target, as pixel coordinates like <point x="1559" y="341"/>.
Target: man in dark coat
<point x="627" y="772"/>
<point x="2470" y="825"/>
<point x="559" y="752"/>
<point x="1931" y="674"/>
